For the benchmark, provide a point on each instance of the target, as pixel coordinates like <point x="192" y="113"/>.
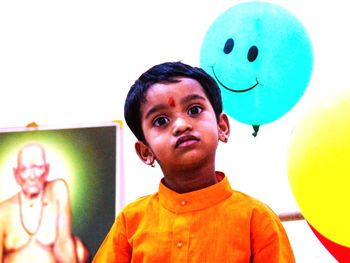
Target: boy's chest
<point x="204" y="236"/>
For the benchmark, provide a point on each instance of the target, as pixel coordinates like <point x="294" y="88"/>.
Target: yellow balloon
<point x="319" y="167"/>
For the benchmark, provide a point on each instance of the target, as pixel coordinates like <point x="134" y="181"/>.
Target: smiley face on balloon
<point x="261" y="56"/>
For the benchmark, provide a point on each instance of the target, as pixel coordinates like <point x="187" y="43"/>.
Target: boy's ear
<point x="223" y="127"/>
<point x="145" y="153"/>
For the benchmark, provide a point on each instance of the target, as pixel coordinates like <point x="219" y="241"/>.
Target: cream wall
<point x="68" y="62"/>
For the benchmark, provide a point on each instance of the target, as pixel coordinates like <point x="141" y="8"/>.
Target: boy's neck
<point x="188" y="181"/>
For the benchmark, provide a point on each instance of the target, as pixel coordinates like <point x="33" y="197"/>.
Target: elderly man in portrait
<point x="36" y="223"/>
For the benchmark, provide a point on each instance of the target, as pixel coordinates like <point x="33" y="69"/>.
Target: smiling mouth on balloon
<point x="235" y="90"/>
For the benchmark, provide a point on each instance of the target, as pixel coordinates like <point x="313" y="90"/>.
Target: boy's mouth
<point x="185" y="141"/>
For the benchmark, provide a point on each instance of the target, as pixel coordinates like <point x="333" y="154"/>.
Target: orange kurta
<point x="214" y="224"/>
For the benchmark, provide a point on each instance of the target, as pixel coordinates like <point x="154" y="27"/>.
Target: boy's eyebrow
<point x="184" y="100"/>
<point x="156" y="108"/>
<point x="190" y="97"/>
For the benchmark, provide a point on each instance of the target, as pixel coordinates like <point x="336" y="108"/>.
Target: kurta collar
<point x="196" y="200"/>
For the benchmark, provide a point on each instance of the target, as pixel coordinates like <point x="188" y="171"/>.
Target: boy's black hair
<point x="166" y="72"/>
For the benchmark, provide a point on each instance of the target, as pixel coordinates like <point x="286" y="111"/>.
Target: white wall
<point x="67" y="62"/>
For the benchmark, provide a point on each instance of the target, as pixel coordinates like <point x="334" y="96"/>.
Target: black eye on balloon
<point x="252" y="53"/>
<point x="229" y="46"/>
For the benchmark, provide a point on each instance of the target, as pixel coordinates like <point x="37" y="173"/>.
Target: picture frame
<point x="88" y="157"/>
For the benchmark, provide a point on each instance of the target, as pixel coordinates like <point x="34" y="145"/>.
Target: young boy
<point x="175" y="111"/>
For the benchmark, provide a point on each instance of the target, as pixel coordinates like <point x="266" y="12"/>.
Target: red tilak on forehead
<point x="171" y="102"/>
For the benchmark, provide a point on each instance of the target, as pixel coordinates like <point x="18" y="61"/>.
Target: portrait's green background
<point x="87" y="156"/>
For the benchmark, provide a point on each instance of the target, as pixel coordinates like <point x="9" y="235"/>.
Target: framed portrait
<point x="87" y="158"/>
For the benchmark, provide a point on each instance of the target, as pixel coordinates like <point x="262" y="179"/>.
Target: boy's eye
<point x="194" y="110"/>
<point x="160" y="121"/>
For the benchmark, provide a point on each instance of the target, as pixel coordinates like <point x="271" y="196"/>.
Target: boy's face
<point x="180" y="126"/>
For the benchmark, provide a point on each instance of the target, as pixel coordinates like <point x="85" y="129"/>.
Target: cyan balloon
<point x="261" y="56"/>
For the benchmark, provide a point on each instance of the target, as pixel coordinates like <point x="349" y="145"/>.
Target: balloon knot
<point x="256" y="130"/>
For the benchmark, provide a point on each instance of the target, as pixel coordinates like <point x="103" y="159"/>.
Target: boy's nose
<point x="181" y="125"/>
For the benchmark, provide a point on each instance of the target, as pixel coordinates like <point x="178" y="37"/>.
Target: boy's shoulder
<point x="243" y="197"/>
<point x="255" y="207"/>
<point x="141" y="204"/>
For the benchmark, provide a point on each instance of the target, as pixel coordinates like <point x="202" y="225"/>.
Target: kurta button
<point x="179" y="244"/>
<point x="183" y="202"/>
